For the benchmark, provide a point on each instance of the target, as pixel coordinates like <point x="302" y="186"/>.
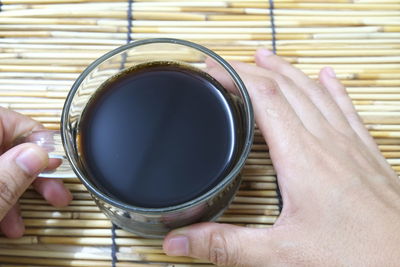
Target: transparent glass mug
<point x="148" y="222"/>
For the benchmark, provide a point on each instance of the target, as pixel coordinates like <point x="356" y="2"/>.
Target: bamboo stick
<point x="375" y="90"/>
<point x="258" y="185"/>
<point x="256" y="161"/>
<point x="41" y="207"/>
<point x="76" y="232"/>
<point x="73" y="202"/>
<point x="64" y="215"/>
<point x="76" y="13"/>
<point x="217" y="7"/>
<point x="179" y="1"/>
<point x="135" y="5"/>
<point x="376" y="102"/>
<point x="289" y="21"/>
<point x="76" y="187"/>
<point x="173" y="13"/>
<point x="20" y="241"/>
<point x="380" y="117"/>
<point x="322" y="13"/>
<point x="163" y="258"/>
<point x="258" y="172"/>
<point x="389" y="148"/>
<point x="252" y="212"/>
<point x="259" y="178"/>
<point x="311" y="21"/>
<point x="14" y="47"/>
<point x="383" y="127"/>
<point x="41" y="68"/>
<point x="254" y="225"/>
<point x="264" y="40"/>
<point x="339" y="32"/>
<point x="142" y="250"/>
<point x="254" y="200"/>
<point x="17" y="93"/>
<point x="56" y="262"/>
<point x="321" y="5"/>
<point x="67" y="223"/>
<point x="247" y="219"/>
<point x="35" y="81"/>
<point x="56" y="79"/>
<point x="99" y="241"/>
<point x="202" y="35"/>
<point x="77" y="62"/>
<point x="54" y="254"/>
<point x="81" y="209"/>
<point x="257" y="193"/>
<point x="387" y="141"/>
<point x="53" y="76"/>
<point x="72" y="262"/>
<point x="339" y="60"/>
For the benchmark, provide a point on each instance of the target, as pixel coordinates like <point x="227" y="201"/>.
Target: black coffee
<point x="158" y="135"/>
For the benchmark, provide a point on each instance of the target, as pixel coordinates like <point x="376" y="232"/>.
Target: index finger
<point x="14" y="125"/>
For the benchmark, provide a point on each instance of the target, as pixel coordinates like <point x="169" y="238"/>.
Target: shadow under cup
<point x="156" y="222"/>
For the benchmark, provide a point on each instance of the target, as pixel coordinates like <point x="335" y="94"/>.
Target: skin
<point x="19" y="166"/>
<point x="341" y="198"/>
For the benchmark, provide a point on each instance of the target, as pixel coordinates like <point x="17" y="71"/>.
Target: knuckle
<point x="353" y="117"/>
<point x="279" y="78"/>
<point x="219" y="252"/>
<point x="268" y="87"/>
<point x="6" y="195"/>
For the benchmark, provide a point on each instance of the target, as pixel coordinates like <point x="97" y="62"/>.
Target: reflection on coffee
<point x="159" y="134"/>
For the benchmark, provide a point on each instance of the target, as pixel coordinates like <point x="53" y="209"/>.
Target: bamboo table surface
<point x="45" y="44"/>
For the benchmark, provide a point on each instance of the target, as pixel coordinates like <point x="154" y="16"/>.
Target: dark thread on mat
<point x="113" y="246"/>
<point x="129" y="18"/>
<point x="279" y="196"/>
<point x="272" y="20"/>
<point x="1" y="6"/>
<point x="273" y="32"/>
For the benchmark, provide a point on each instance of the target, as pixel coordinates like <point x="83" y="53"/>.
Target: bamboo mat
<point x="45" y="44"/>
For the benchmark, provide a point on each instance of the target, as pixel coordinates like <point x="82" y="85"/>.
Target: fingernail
<point x="265" y="52"/>
<point x="31" y="161"/>
<point x="177" y="246"/>
<point x="330" y="72"/>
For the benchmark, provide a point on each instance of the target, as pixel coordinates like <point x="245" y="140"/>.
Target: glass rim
<point x="69" y="147"/>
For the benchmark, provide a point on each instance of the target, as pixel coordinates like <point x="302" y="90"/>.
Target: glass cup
<point x="147" y="222"/>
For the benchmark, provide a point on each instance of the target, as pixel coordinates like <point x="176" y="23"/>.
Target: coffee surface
<point x="158" y="135"/>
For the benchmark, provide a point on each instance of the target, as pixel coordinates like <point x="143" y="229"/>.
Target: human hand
<point x="19" y="166"/>
<point x="341" y="199"/>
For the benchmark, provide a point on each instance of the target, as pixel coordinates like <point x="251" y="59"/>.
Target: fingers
<point x="12" y="126"/>
<point x="18" y="167"/>
<point x="284" y="120"/>
<point x="12" y="225"/>
<point x="315" y="93"/>
<point x="279" y="123"/>
<point x="54" y="191"/>
<point x="222" y="244"/>
<point x="328" y="78"/>
<point x="307" y="112"/>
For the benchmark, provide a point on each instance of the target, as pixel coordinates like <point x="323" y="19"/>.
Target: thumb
<point x="222" y="244"/>
<point x="18" y="167"/>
